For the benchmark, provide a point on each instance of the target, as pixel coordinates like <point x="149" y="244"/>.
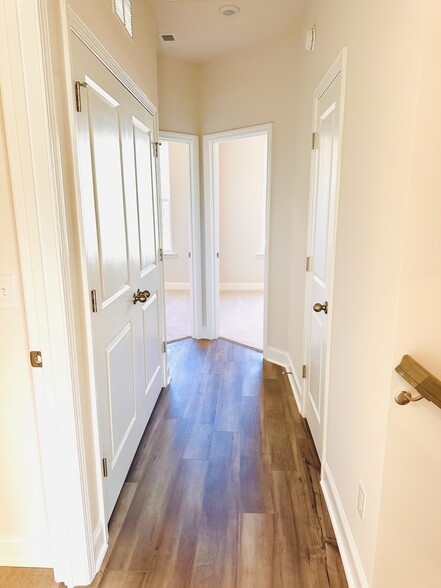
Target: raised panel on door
<point x="121" y="393"/>
<point x="322" y="214"/>
<point x="145" y="195"/>
<point x="110" y="206"/>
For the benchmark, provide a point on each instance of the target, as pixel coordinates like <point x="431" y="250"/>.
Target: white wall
<point x="242" y="187"/>
<point x="23" y="531"/>
<point x="176" y="269"/>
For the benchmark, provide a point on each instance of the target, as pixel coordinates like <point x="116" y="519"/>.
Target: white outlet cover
<point x="8" y="291"/>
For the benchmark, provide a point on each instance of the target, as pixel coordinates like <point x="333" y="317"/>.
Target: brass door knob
<point x="139" y="296"/>
<point x="319" y="307"/>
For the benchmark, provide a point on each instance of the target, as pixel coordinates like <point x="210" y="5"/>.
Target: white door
<point x="321" y="244"/>
<point x="119" y="211"/>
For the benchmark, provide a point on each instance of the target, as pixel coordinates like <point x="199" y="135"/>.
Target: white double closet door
<point x="119" y="220"/>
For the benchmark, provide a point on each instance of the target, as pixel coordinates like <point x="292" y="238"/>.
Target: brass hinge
<point x="304" y="372"/>
<point x="161" y="254"/>
<point x="78" y="86"/>
<point x="308" y="264"/>
<point x="164" y="347"/>
<point x="156" y="146"/>
<point x="315" y="140"/>
<point x="36" y="359"/>
<point x="94" y="302"/>
<point x="105" y="472"/>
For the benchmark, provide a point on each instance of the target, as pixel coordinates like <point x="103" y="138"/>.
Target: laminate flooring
<point x="224" y="489"/>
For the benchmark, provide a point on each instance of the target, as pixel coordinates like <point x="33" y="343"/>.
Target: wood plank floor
<point x="224" y="489"/>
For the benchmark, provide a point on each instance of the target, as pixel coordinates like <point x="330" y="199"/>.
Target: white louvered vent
<point x="123" y="10"/>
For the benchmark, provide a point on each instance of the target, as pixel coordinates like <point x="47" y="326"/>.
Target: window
<point x="123" y="10"/>
<point x="165" y="198"/>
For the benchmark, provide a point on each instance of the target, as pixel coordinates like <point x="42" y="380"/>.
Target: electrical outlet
<point x="361" y="502"/>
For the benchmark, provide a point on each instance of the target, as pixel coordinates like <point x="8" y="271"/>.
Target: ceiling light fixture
<point x="229" y="10"/>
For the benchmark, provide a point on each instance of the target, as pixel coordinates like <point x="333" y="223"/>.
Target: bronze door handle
<point x="139" y="296"/>
<point x="320" y="307"/>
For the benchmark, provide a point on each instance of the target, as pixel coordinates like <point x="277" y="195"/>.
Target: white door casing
<point x="194" y="226"/>
<point x="211" y="183"/>
<point x="117" y="180"/>
<point x="327" y="123"/>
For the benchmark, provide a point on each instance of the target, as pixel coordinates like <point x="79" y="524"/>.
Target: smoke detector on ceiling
<point x="167" y="39"/>
<point x="229" y="10"/>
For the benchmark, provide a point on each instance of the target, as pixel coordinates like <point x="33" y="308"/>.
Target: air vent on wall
<point x="167" y="39"/>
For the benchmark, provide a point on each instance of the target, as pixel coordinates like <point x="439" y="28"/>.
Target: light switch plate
<point x="8" y="291"/>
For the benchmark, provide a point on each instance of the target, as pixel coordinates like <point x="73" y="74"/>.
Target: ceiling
<point x="202" y="33"/>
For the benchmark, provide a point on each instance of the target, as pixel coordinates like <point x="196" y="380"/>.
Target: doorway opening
<point x="180" y="221"/>
<point x="237" y="176"/>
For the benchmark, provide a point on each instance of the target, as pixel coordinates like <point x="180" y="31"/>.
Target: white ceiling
<point x="202" y="33"/>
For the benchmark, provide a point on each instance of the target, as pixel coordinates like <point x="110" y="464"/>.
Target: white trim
<point x="78" y="27"/>
<point x="277" y="356"/>
<point x="260" y="255"/>
<point x="169" y="254"/>
<point x="211" y="182"/>
<point x="242" y="287"/>
<point x="100" y="544"/>
<point x="177" y="286"/>
<point x="194" y="229"/>
<point x="25" y="551"/>
<point x="339" y="66"/>
<point x="32" y="128"/>
<point x="354" y="571"/>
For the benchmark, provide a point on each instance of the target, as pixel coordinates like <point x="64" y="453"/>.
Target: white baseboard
<point x="348" y="550"/>
<point x="283" y="359"/>
<point x="241" y="287"/>
<point x="177" y="286"/>
<point x="100" y="545"/>
<point x="277" y="356"/>
<point x="25" y="551"/>
<point x="296" y="386"/>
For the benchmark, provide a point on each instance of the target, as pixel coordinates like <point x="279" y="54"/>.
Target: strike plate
<point x="36" y="359"/>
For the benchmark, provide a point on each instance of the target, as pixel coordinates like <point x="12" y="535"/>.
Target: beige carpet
<point x="178" y="313"/>
<point x="241" y="316"/>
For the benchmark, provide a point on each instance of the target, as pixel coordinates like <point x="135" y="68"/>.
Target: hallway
<point x="224" y="489"/>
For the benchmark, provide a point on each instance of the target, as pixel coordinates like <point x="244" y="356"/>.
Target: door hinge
<point x="308" y="264"/>
<point x="156" y="146"/>
<point x="94" y="302"/>
<point x="105" y="471"/>
<point x="161" y="254"/>
<point x="36" y="359"/>
<point x="189" y="255"/>
<point x="304" y="372"/>
<point x="315" y="140"/>
<point x="78" y="86"/>
<point x="164" y="347"/>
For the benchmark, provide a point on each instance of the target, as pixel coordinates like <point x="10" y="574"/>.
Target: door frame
<point x="211" y="186"/>
<point x="194" y="227"/>
<point x="39" y="105"/>
<point x="338" y="67"/>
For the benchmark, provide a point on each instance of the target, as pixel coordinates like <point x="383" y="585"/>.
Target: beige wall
<point x="176" y="269"/>
<point x="410" y="515"/>
<point x="241" y="210"/>
<point x="178" y="89"/>
<point x="22" y="508"/>
<point x="379" y="311"/>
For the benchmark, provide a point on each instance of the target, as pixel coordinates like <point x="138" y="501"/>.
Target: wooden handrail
<point x="423" y="381"/>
